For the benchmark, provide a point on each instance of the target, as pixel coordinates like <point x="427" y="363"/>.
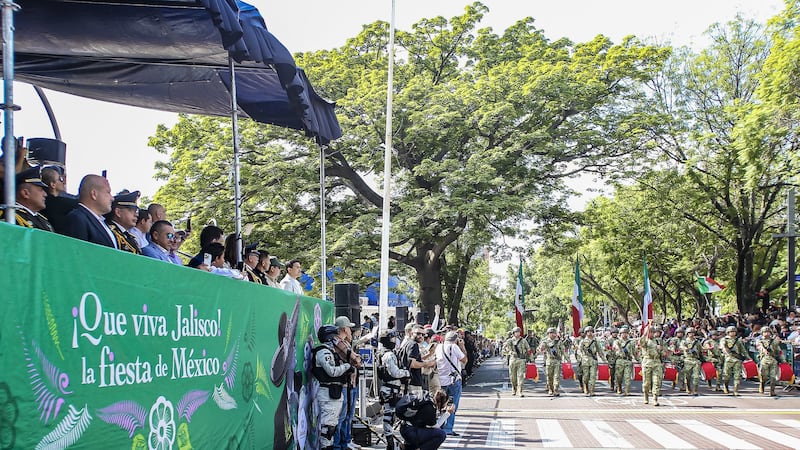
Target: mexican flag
<point x="647" y="301"/>
<point x="708" y="285"/>
<point x="519" y="306"/>
<point x="577" y="301"/>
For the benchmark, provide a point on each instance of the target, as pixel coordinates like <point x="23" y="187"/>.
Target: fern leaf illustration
<point x="250" y="334"/>
<point x="51" y="324"/>
<point x="228" y="333"/>
<point x="47" y="381"/>
<point x="68" y="431"/>
<point x="231" y="364"/>
<point x="190" y="402"/>
<point x="223" y="399"/>
<point x="127" y="415"/>
<point x="262" y="380"/>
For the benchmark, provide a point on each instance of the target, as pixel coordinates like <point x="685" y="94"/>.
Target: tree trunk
<point x="745" y="289"/>
<point x="429" y="275"/>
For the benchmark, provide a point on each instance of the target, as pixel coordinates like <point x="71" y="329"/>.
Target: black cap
<point x="30" y="176"/>
<point x="127" y="200"/>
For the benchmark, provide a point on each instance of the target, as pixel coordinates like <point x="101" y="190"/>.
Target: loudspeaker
<point x="353" y="312"/>
<point x="400" y="317"/>
<point x="345" y="294"/>
<point x="46" y="151"/>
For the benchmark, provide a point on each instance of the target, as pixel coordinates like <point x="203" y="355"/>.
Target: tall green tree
<point x="486" y="128"/>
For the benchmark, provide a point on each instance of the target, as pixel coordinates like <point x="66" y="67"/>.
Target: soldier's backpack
<point x="419" y="411"/>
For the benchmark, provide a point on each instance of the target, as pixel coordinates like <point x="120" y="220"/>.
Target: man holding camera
<point x="449" y="357"/>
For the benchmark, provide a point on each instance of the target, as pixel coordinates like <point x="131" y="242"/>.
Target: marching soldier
<point x="713" y="354"/>
<point x="332" y="373"/>
<point x="553" y="356"/>
<point x="517" y="349"/>
<point x="652" y="363"/>
<point x="676" y="357"/>
<point x="611" y="358"/>
<point x="589" y="352"/>
<point x="576" y="344"/>
<point x="769" y="353"/>
<point x="692" y="350"/>
<point x="623" y="349"/>
<point x="734" y="353"/>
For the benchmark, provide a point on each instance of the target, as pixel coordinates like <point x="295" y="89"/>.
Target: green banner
<point x="105" y="349"/>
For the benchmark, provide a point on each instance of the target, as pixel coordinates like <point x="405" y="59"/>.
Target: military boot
<point x="725" y="388"/>
<point x="735" y="390"/>
<point x="646" y="397"/>
<point x="761" y="387"/>
<point x="655" y="400"/>
<point x="772" y="390"/>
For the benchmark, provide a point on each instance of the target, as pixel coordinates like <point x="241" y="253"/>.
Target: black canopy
<point x="169" y="55"/>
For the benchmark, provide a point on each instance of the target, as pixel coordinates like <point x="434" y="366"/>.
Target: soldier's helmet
<point x="680" y="330"/>
<point x="623" y="330"/>
<point x="516" y="330"/>
<point x="327" y="332"/>
<point x="690" y="330"/>
<point x="656" y="327"/>
<point x="714" y="333"/>
<point x="551" y="330"/>
<point x="766" y="330"/>
<point x="614" y="330"/>
<point x="730" y="328"/>
<point x="588" y="329"/>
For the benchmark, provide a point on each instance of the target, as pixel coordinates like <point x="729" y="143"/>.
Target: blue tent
<point x="169" y="55"/>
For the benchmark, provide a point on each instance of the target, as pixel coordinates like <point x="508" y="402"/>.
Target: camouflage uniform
<point x="652" y="348"/>
<point x="554" y="354"/>
<point x="769" y="353"/>
<point x="517" y="349"/>
<point x="676" y="357"/>
<point x="623" y="349"/>
<point x="692" y="350"/>
<point x="734" y="351"/>
<point x="588" y="353"/>
<point x="611" y="358"/>
<point x="713" y="354"/>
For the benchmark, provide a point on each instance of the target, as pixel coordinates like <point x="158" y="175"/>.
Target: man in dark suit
<point x="86" y="222"/>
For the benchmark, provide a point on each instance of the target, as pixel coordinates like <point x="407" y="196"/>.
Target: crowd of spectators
<point x="96" y="215"/>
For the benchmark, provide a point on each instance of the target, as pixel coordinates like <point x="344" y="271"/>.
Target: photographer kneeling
<point x="422" y="420"/>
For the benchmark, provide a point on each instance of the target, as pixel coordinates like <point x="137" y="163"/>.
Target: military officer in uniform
<point x="611" y="357"/>
<point x="332" y="373"/>
<point x="624" y="349"/>
<point x="576" y="344"/>
<point x="122" y="217"/>
<point x="692" y="350"/>
<point x="517" y="349"/>
<point x="713" y="354"/>
<point x="30" y="200"/>
<point x="769" y="353"/>
<point x="652" y="348"/>
<point x="734" y="352"/>
<point x="676" y="357"/>
<point x="554" y="355"/>
<point x="589" y="351"/>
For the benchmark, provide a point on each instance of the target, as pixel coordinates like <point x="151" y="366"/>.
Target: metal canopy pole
<point x="323" y="225"/>
<point x="791" y="294"/>
<point x="383" y="301"/>
<point x="49" y="109"/>
<point x="237" y="198"/>
<point x="9" y="142"/>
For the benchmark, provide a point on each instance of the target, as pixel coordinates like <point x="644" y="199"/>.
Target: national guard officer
<point x="332" y="373"/>
<point x="652" y="348"/>
<point x="611" y="357"/>
<point x="392" y="378"/>
<point x="692" y="350"/>
<point x="553" y="357"/>
<point x="589" y="352"/>
<point x="769" y="353"/>
<point x="734" y="352"/>
<point x="676" y="357"/>
<point x="517" y="349"/>
<point x="623" y="349"/>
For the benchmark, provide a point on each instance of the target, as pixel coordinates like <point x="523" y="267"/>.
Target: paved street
<point x="490" y="417"/>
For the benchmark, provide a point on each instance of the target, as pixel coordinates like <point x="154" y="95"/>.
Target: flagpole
<point x="383" y="299"/>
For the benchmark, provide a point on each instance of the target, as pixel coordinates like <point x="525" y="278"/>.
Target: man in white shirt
<point x="289" y="282"/>
<point x="449" y="357"/>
